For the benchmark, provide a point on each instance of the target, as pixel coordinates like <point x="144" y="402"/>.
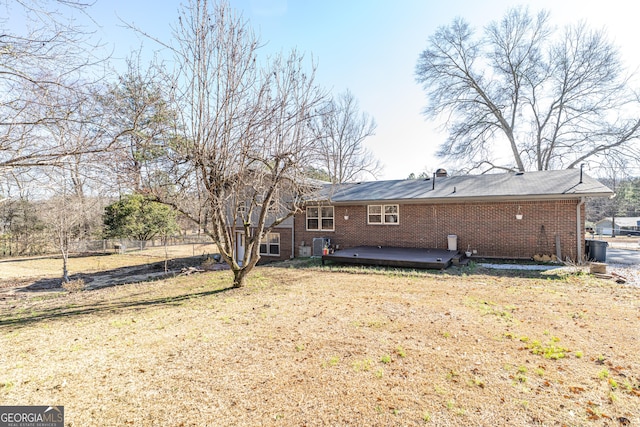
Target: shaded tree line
<point x="626" y="202"/>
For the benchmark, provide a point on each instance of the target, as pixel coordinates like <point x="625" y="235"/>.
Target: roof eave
<point x="458" y="199"/>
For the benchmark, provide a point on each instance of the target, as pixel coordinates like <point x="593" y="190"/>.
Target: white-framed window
<point x="270" y="244"/>
<point x="320" y="218"/>
<point x="383" y="214"/>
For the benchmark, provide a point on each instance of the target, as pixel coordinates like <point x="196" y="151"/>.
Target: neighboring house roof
<point x="630" y="221"/>
<point x="561" y="184"/>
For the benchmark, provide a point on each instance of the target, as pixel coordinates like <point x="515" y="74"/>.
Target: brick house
<point x="276" y="245"/>
<point x="509" y="215"/>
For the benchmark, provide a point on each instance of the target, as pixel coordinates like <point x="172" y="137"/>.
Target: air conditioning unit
<point x="319" y="243"/>
<point x="304" y="251"/>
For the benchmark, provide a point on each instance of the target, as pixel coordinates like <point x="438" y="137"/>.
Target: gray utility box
<point x="304" y="251"/>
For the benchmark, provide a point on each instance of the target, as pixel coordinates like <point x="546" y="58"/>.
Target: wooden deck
<point x="394" y="257"/>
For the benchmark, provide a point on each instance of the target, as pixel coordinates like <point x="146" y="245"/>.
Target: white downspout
<point x="293" y="237"/>
<point x="579" y="231"/>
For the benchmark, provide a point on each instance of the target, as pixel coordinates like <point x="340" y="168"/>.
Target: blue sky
<point x="369" y="47"/>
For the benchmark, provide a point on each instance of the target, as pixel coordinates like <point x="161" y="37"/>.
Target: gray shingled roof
<point x="528" y="185"/>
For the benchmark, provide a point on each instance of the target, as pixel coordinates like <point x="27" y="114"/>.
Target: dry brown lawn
<point x="318" y="347"/>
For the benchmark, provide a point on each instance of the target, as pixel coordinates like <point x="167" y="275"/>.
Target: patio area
<point x="394" y="257"/>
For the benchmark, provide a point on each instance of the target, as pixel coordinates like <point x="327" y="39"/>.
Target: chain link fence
<point x="191" y="245"/>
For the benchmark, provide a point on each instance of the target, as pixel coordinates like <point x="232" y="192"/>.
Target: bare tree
<point x="71" y="182"/>
<point x="36" y="66"/>
<point x="243" y="133"/>
<point x="64" y="214"/>
<point x="69" y="214"/>
<point x="341" y="131"/>
<point x="550" y="99"/>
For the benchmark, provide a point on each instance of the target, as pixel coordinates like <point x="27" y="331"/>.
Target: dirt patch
<point x="110" y="277"/>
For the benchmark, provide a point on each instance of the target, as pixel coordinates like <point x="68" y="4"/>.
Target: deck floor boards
<point x="393" y="257"/>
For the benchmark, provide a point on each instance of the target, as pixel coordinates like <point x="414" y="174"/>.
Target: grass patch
<point x="332" y="361"/>
<point x="548" y="350"/>
<point x="362" y="365"/>
<point x="400" y="351"/>
<point x="489" y="308"/>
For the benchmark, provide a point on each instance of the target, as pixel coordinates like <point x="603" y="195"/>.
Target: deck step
<point x="460" y="259"/>
<point x="457" y="258"/>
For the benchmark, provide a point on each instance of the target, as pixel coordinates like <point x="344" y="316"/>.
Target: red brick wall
<point x="285" y="247"/>
<point x="490" y="228"/>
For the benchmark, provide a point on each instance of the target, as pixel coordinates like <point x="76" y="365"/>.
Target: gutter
<point x="579" y="231"/>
